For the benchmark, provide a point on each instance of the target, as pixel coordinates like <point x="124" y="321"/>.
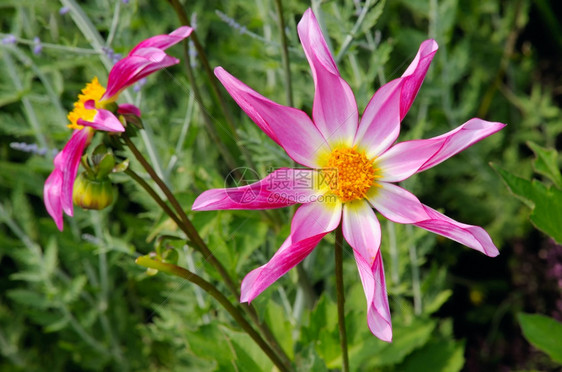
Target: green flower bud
<point x="92" y="193"/>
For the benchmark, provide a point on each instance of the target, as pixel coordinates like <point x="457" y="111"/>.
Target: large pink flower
<point x="96" y="110"/>
<point x="354" y="164"/>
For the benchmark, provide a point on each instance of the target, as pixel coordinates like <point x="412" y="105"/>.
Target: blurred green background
<point x="76" y="300"/>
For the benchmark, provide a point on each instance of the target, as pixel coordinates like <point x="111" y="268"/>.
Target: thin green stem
<point x="284" y="53"/>
<point x="196" y="241"/>
<point x="154" y="195"/>
<point x="182" y="16"/>
<point x="146" y="261"/>
<point x="225" y="153"/>
<point x="351" y="35"/>
<point x="416" y="288"/>
<point x="341" y="298"/>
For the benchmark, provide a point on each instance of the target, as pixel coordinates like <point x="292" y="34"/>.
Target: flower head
<point x="353" y="166"/>
<point x="96" y="109"/>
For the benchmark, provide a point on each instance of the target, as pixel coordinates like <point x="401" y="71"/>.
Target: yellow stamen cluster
<point x="349" y="173"/>
<point x="93" y="90"/>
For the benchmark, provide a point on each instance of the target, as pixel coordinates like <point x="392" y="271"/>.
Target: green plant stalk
<point x="341" y="298"/>
<point x="416" y="288"/>
<point x="197" y="242"/>
<point x="184" y="20"/>
<point x="217" y="295"/>
<point x="155" y="196"/>
<point x="185" y="223"/>
<point x="351" y="35"/>
<point x="284" y="53"/>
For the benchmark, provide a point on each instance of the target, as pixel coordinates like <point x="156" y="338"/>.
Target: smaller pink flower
<point x="96" y="110"/>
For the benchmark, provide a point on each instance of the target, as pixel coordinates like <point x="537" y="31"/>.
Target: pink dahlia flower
<point x="354" y="164"/>
<point x="96" y="110"/>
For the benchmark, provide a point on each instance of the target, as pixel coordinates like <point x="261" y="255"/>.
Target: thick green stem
<point x="148" y="262"/>
<point x="341" y="298"/>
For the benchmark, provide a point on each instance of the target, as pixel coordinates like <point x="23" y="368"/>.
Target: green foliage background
<point x="76" y="301"/>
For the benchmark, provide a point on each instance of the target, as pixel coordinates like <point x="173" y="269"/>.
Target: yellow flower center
<point x="92" y="91"/>
<point x="349" y="173"/>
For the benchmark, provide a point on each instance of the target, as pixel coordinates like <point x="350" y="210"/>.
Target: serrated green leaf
<point x="545" y="202"/>
<point x="27" y="297"/>
<point x="544" y="333"/>
<point x="546" y="163"/>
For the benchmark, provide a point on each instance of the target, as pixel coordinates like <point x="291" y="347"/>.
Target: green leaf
<point x="27" y="297"/>
<point x="544" y="333"/>
<point x="280" y="326"/>
<point x="441" y="356"/>
<point x="545" y="202"/>
<point x="546" y="163"/>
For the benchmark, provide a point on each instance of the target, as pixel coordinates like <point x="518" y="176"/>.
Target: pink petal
<point x="410" y="157"/>
<point x="361" y="229"/>
<point x="103" y="120"/>
<point x="291" y="128"/>
<point x="396" y="204"/>
<point x="132" y="68"/>
<point x="164" y="41"/>
<point x="415" y="73"/>
<point x="281" y="188"/>
<point x="380" y="123"/>
<point x="127" y="108"/>
<point x="310" y="224"/>
<point x="374" y="285"/>
<point x="69" y="164"/>
<point x="52" y="196"/>
<point x="473" y="237"/>
<point x="334" y="110"/>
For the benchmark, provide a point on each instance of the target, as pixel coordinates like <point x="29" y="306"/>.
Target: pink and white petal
<point x="410" y="157"/>
<point x="52" y="196"/>
<point x="69" y="164"/>
<point x="164" y="41"/>
<point x="291" y="128"/>
<point x="462" y="137"/>
<point x="414" y="75"/>
<point x="128" y="108"/>
<point x="334" y="110"/>
<point x="473" y="237"/>
<point x="396" y="204"/>
<point x="310" y="224"/>
<point x="131" y="69"/>
<point x="380" y="123"/>
<point x="374" y="286"/>
<point x="281" y="188"/>
<point x="104" y="120"/>
<point x="362" y="229"/>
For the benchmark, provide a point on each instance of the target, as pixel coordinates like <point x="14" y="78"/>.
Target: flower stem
<point x="341" y="298"/>
<point x="154" y="195"/>
<point x="182" y="15"/>
<point x="196" y="241"/>
<point x="146" y="261"/>
<point x="284" y="53"/>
